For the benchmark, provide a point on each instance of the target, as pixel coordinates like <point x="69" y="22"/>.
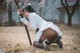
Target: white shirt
<point x="37" y="22"/>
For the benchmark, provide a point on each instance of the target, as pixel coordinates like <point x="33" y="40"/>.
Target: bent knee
<point x="35" y="44"/>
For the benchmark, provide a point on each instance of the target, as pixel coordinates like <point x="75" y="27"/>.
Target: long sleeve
<point x="35" y="20"/>
<point x="24" y="21"/>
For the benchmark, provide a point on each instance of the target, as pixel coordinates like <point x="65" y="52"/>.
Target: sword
<point x="24" y="25"/>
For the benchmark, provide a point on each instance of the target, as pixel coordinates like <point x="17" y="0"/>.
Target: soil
<point x="15" y="40"/>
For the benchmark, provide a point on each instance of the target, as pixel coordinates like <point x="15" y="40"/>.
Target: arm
<point x="24" y="21"/>
<point x="22" y="18"/>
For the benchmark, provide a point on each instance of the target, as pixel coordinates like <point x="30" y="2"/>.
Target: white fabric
<point x="44" y="43"/>
<point x="37" y="22"/>
<point x="24" y="21"/>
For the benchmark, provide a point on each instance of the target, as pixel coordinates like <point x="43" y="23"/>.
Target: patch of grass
<point x="17" y="48"/>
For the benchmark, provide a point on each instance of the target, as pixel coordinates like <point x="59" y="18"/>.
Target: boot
<point x="46" y="47"/>
<point x="59" y="42"/>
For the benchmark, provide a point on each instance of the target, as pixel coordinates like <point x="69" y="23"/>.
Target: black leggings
<point x="48" y="34"/>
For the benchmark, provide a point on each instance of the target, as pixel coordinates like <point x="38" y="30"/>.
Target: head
<point x="28" y="9"/>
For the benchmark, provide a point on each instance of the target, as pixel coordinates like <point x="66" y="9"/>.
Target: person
<point x="46" y="32"/>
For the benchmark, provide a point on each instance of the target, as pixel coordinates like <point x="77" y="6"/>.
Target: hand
<point x="19" y="11"/>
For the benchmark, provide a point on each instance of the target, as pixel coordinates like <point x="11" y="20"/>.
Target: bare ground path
<point x="14" y="40"/>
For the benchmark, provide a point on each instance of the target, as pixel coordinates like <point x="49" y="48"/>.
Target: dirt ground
<point x="14" y="40"/>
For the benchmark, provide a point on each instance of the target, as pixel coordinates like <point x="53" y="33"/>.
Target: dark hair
<point x="28" y="8"/>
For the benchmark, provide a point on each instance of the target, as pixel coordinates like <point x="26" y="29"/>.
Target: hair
<point x="28" y="8"/>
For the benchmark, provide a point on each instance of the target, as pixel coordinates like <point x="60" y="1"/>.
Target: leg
<point x="40" y="45"/>
<point x="52" y="36"/>
<point x="47" y="34"/>
<point x="57" y="40"/>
